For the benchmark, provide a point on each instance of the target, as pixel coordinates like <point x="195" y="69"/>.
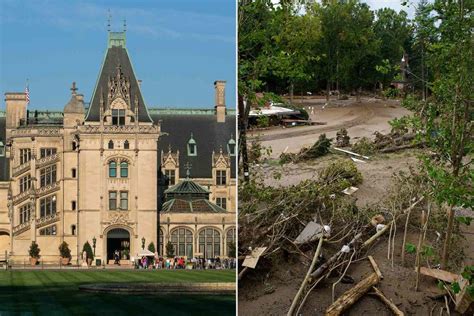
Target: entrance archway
<point x="118" y="239"/>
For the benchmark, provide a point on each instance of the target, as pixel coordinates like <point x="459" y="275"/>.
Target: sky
<point x="178" y="48"/>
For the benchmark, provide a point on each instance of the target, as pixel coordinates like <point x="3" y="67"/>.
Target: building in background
<point x="116" y="173"/>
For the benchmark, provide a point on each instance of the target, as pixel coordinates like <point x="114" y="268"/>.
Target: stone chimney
<point x="16" y="109"/>
<point x="219" y="87"/>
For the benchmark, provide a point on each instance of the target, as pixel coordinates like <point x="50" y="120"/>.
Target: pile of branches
<point x="319" y="149"/>
<point x="274" y="217"/>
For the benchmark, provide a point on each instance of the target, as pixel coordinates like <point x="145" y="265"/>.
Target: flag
<point x="27" y="91"/>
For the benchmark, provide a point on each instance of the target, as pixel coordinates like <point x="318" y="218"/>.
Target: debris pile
<point x="319" y="149"/>
<point x="342" y="138"/>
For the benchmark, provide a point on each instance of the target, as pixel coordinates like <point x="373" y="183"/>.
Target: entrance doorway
<point x="118" y="239"/>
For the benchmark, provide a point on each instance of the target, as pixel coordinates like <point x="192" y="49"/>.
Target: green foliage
<point x="34" y="250"/>
<point x="319" y="149"/>
<point x="232" y="250"/>
<point x="342" y="170"/>
<point x="427" y="251"/>
<point x="364" y="146"/>
<point x="64" y="250"/>
<point x="151" y="247"/>
<point x="169" y="249"/>
<point x="88" y="249"/>
<point x="410" y="248"/>
<point x="464" y="220"/>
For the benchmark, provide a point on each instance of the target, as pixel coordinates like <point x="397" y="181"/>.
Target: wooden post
<point x="418" y="250"/>
<point x="445" y="256"/>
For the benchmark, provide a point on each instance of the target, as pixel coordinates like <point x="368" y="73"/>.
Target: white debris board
<point x="251" y="260"/>
<point x="311" y="232"/>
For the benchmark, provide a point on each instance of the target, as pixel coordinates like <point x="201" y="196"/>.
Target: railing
<point x="48" y="188"/>
<point x="21" y="168"/>
<point x="18" y="229"/>
<point x="21" y="197"/>
<point x="124" y="129"/>
<point x="46" y="220"/>
<point x="47" y="160"/>
<point x="39" y="131"/>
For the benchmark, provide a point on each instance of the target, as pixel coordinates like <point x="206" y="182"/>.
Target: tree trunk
<point x="292" y="88"/>
<point x="243" y="120"/>
<point x="445" y="256"/>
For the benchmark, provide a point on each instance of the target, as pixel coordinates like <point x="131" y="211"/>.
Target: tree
<point x="34" y="250"/>
<point x="151" y="247"/>
<point x="169" y="249"/>
<point x="88" y="249"/>
<point x="64" y="250"/>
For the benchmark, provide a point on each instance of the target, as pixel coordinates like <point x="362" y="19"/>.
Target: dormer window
<point x="231" y="147"/>
<point x="2" y="149"/>
<point x="111" y="144"/>
<point x="192" y="147"/>
<point x="118" y="117"/>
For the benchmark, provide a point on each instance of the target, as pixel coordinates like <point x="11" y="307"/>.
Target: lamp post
<point x="94" y="240"/>
<point x="143" y="242"/>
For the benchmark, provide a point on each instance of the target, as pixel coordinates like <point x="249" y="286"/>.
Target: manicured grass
<point x="42" y="292"/>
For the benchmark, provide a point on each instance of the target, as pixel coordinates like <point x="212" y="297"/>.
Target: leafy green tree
<point x="169" y="249"/>
<point x="34" y="250"/>
<point x="88" y="249"/>
<point x="151" y="247"/>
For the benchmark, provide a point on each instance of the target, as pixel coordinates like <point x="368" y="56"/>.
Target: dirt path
<point x="360" y="119"/>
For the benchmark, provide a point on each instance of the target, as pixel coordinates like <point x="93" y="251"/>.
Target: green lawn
<point x="56" y="293"/>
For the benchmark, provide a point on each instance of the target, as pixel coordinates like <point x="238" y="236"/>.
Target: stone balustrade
<point x="47" y="160"/>
<point x="18" y="229"/>
<point x="46" y="220"/>
<point x="48" y="188"/>
<point x="16" y="171"/>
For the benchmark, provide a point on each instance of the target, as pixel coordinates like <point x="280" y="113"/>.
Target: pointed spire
<point x="188" y="170"/>
<point x="108" y="21"/>
<point x="125" y="25"/>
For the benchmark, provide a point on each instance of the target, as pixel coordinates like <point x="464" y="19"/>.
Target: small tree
<point x="169" y="249"/>
<point x="232" y="249"/>
<point x="64" y="250"/>
<point x="34" y="250"/>
<point x="88" y="249"/>
<point x="151" y="247"/>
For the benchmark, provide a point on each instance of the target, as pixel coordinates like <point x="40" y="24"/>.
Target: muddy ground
<point x="269" y="290"/>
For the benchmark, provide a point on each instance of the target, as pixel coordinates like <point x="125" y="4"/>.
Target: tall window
<point x="112" y="169"/>
<point x="111" y="144"/>
<point x="160" y="242"/>
<point x="2" y="149"/>
<point x="123" y="200"/>
<point x="126" y="145"/>
<point x="210" y="242"/>
<point x="73" y="205"/>
<point x="124" y="169"/>
<point x="182" y="240"/>
<point x="118" y="117"/>
<point x="221" y="177"/>
<point x="73" y="230"/>
<point x="25" y="183"/>
<point x="48" y="206"/>
<point x="73" y="172"/>
<point x="25" y="155"/>
<point x="47" y="175"/>
<point x="222" y="202"/>
<point x="230" y="242"/>
<point x="45" y="152"/>
<point x="112" y="200"/>
<point x="171" y="175"/>
<point x="25" y="213"/>
<point x="48" y="231"/>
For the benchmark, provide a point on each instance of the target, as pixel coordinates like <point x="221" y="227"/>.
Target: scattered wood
<point x="395" y="310"/>
<point x="376" y="267"/>
<point x="397" y="148"/>
<point x="351" y="296"/>
<point x="389" y="140"/>
<point x="358" y="160"/>
<point x="303" y="285"/>
<point x="351" y="153"/>
<point x="442" y="275"/>
<point x="463" y="300"/>
<point x="252" y="259"/>
<point x="312" y="231"/>
<point x="350" y="190"/>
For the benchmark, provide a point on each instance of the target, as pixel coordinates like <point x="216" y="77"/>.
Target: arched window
<point x="161" y="240"/>
<point x="182" y="240"/>
<point x="231" y="147"/>
<point x="112" y="169"/>
<point x="126" y="145"/>
<point x="73" y="230"/>
<point x="111" y="144"/>
<point x="230" y="243"/>
<point x="192" y="146"/>
<point x="124" y="169"/>
<point x="210" y="243"/>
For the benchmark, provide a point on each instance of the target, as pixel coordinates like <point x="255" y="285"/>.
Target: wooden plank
<point x="443" y="275"/>
<point x="251" y="260"/>
<point x="376" y="267"/>
<point x="395" y="310"/>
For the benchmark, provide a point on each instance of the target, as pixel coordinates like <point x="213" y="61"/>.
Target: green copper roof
<point x="117" y="39"/>
<point x="195" y="206"/>
<point x="187" y="186"/>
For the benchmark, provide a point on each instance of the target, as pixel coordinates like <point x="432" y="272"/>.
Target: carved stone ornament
<point x="119" y="86"/>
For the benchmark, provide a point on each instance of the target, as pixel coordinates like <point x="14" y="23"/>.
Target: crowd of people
<point x="158" y="262"/>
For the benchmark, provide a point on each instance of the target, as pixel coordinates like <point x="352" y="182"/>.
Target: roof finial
<point x="125" y="25"/>
<point x="108" y="22"/>
<point x="73" y="88"/>
<point x="188" y="170"/>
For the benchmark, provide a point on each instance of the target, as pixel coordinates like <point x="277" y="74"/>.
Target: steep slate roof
<point x="195" y="206"/>
<point x="116" y="55"/>
<point x="208" y="134"/>
<point x="187" y="187"/>
<point x="4" y="163"/>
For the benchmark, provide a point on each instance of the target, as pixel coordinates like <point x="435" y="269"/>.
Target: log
<point x="395" y="310"/>
<point x="308" y="275"/>
<point x="351" y="296"/>
<point x="397" y="148"/>
<point x="351" y="153"/>
<point x="395" y="140"/>
<point x="376" y="267"/>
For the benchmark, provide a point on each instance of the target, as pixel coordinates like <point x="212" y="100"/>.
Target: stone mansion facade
<point x="117" y="172"/>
